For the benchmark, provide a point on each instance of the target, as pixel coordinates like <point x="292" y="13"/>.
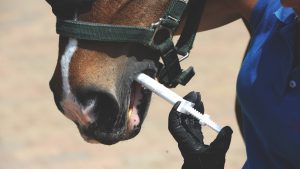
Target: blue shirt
<point x="268" y="88"/>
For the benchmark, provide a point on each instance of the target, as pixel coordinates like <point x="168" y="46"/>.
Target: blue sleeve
<point x="258" y="14"/>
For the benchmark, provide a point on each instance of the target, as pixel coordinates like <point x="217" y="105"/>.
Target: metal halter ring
<point x="158" y="27"/>
<point x="183" y="57"/>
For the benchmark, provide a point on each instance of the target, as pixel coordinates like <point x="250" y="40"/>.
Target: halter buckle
<point x="161" y="30"/>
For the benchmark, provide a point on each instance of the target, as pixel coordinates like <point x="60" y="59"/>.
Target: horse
<point x="93" y="82"/>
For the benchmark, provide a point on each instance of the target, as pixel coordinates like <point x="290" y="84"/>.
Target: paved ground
<point x="34" y="135"/>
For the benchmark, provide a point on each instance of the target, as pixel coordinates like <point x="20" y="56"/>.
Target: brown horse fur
<point x="106" y="70"/>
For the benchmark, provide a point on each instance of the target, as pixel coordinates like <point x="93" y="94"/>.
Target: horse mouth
<point x="125" y="123"/>
<point x="138" y="105"/>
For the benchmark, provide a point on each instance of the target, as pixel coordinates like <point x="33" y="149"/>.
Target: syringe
<point x="185" y="106"/>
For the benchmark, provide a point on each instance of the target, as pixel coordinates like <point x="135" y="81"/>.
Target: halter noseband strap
<point x="170" y="73"/>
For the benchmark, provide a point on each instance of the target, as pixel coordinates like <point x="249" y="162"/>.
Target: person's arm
<point x="221" y="12"/>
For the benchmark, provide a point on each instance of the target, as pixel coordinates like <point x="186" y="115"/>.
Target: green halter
<point x="171" y="73"/>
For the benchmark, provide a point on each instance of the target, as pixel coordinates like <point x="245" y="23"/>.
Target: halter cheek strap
<point x="158" y="37"/>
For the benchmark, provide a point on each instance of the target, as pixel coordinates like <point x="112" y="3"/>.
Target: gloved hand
<point x="67" y="8"/>
<point x="187" y="132"/>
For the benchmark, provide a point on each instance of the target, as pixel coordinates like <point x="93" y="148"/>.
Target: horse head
<point x="93" y="82"/>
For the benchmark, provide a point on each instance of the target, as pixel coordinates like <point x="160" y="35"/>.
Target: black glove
<point x="65" y="9"/>
<point x="187" y="132"/>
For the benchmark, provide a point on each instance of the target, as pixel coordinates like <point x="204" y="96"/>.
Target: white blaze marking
<point x="65" y="64"/>
<point x="72" y="108"/>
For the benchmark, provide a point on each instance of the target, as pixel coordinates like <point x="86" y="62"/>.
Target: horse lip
<point x="108" y="138"/>
<point x="94" y="135"/>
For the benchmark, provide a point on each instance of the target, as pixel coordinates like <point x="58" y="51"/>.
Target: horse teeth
<point x="130" y="112"/>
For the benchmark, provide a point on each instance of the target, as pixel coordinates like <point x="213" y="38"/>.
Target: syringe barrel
<point x="171" y="97"/>
<point x="158" y="88"/>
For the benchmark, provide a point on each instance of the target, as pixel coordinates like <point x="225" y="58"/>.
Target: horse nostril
<point x="85" y="97"/>
<point x="106" y="107"/>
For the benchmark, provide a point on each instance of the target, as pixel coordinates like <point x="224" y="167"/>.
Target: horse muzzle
<point x="109" y="114"/>
<point x="109" y="122"/>
<point x="106" y="120"/>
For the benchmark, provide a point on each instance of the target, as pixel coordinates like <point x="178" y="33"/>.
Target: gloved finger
<point x="222" y="142"/>
<point x="174" y="118"/>
<point x="189" y="124"/>
<point x="179" y="132"/>
<point x="195" y="97"/>
<point x="192" y="126"/>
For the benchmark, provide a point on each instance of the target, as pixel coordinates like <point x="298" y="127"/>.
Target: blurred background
<point x="35" y="135"/>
